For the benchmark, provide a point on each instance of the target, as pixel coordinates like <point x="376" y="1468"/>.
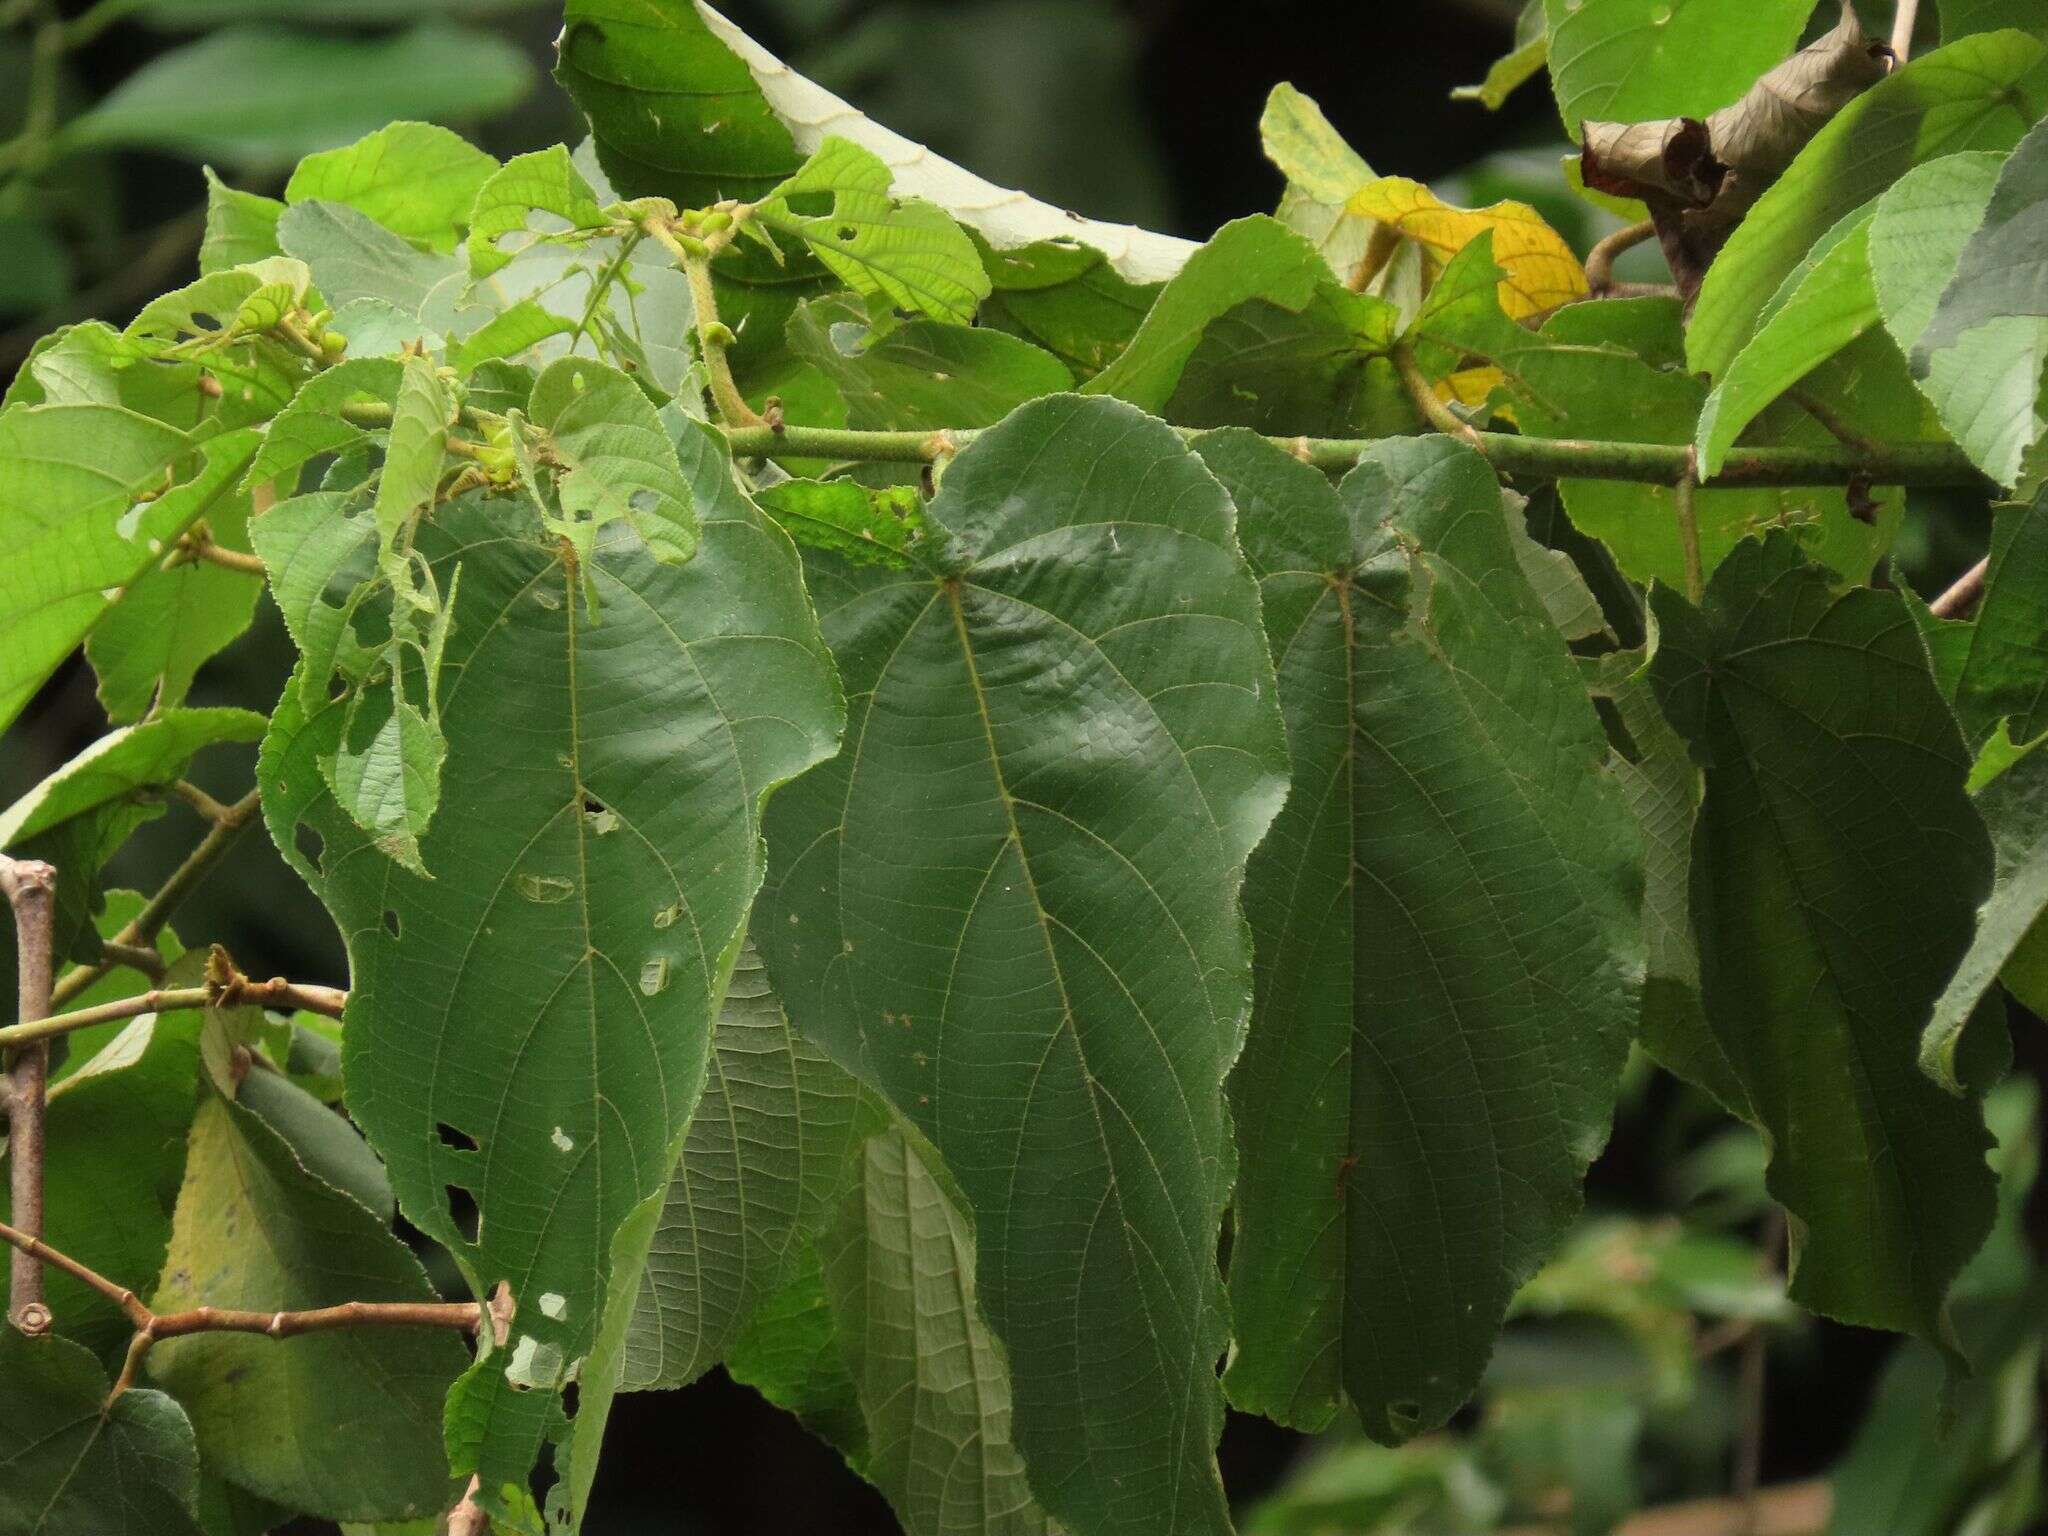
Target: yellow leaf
<point x="1539" y="270"/>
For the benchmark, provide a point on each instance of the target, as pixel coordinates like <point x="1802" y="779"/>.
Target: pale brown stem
<point x="156" y="912"/>
<point x="1962" y="597"/>
<point x="1380" y="246"/>
<point x="30" y="886"/>
<point x="1600" y="260"/>
<point x="151" y="1326"/>
<point x="275" y="993"/>
<point x="145" y="958"/>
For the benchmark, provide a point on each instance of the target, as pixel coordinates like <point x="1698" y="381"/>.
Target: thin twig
<point x="156" y="912"/>
<point x="1962" y="597"/>
<point x="1790" y="1509"/>
<point x="1831" y="419"/>
<point x="199" y="800"/>
<point x="203" y="549"/>
<point x="1749" y="1440"/>
<point x="146" y="958"/>
<point x="1600" y="259"/>
<point x="30" y="886"/>
<point x="275" y="993"/>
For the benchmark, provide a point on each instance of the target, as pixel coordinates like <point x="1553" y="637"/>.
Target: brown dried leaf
<point x="1698" y="178"/>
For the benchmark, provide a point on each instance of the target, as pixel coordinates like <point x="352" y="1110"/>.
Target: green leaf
<point x="921" y="373"/>
<point x="150" y="645"/>
<point x="1662" y="786"/>
<point x="1827" y="307"/>
<point x="789" y="1352"/>
<point x="1068" y="299"/>
<point x="1609" y="371"/>
<point x="770" y="1154"/>
<point x="1510" y="72"/>
<point x="415" y="179"/>
<point x="1979" y="93"/>
<point x="616" y="781"/>
<point x="354" y="257"/>
<point x="1067" y="744"/>
<point x="240" y="226"/>
<point x="617" y="461"/>
<point x="898" y="253"/>
<point x="77" y="1468"/>
<point x="1983" y="350"/>
<point x="863" y="526"/>
<point x="374" y="1394"/>
<point x="1249" y="259"/>
<point x="76" y="526"/>
<point x="134" y="757"/>
<point x="1630" y="61"/>
<point x="1993" y="669"/>
<point x="298" y="92"/>
<point x="1917" y="235"/>
<point x="518" y="332"/>
<point x="545" y="181"/>
<point x="1446" y="906"/>
<point x="1307" y="150"/>
<point x="2015" y="807"/>
<point x="1959" y="18"/>
<point x="932" y="1385"/>
<point x="1829" y="919"/>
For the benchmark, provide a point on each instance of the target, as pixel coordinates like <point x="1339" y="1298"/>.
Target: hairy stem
<point x="1424" y="396"/>
<point x="1533" y="458"/>
<point x="149" y="922"/>
<point x="31" y="890"/>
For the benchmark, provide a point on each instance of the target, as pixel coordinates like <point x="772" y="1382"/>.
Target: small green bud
<point x="692" y="247"/>
<point x="719" y="334"/>
<point x="716" y="220"/>
<point x="333" y="343"/>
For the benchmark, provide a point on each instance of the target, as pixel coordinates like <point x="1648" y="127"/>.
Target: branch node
<point x="34" y="1319"/>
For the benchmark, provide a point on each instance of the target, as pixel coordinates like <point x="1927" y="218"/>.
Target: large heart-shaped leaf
<point x="531" y="1026"/>
<point x="1010" y="904"/>
<point x="1447" y="932"/>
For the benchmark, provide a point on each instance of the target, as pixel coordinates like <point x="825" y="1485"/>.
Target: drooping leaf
<point x="1977" y="94"/>
<point x="255" y="1229"/>
<point x="769" y="1155"/>
<point x="899" y="1269"/>
<point x="76" y="1465"/>
<point x="415" y="179"/>
<point x="2015" y="807"/>
<point x="1066" y="744"/>
<point x="1699" y="178"/>
<point x="1068" y="299"/>
<point x="1993" y="668"/>
<point x="1627" y="61"/>
<point x="298" y="92"/>
<point x="1829" y="919"/>
<point x="1307" y="150"/>
<point x="1446" y="906"/>
<point x="614" y="785"/>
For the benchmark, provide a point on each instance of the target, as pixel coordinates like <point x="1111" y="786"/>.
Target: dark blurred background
<point x="1138" y="110"/>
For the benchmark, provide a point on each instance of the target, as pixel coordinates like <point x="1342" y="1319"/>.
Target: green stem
<point x="1683" y="498"/>
<point x="276" y="993"/>
<point x="1531" y="458"/>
